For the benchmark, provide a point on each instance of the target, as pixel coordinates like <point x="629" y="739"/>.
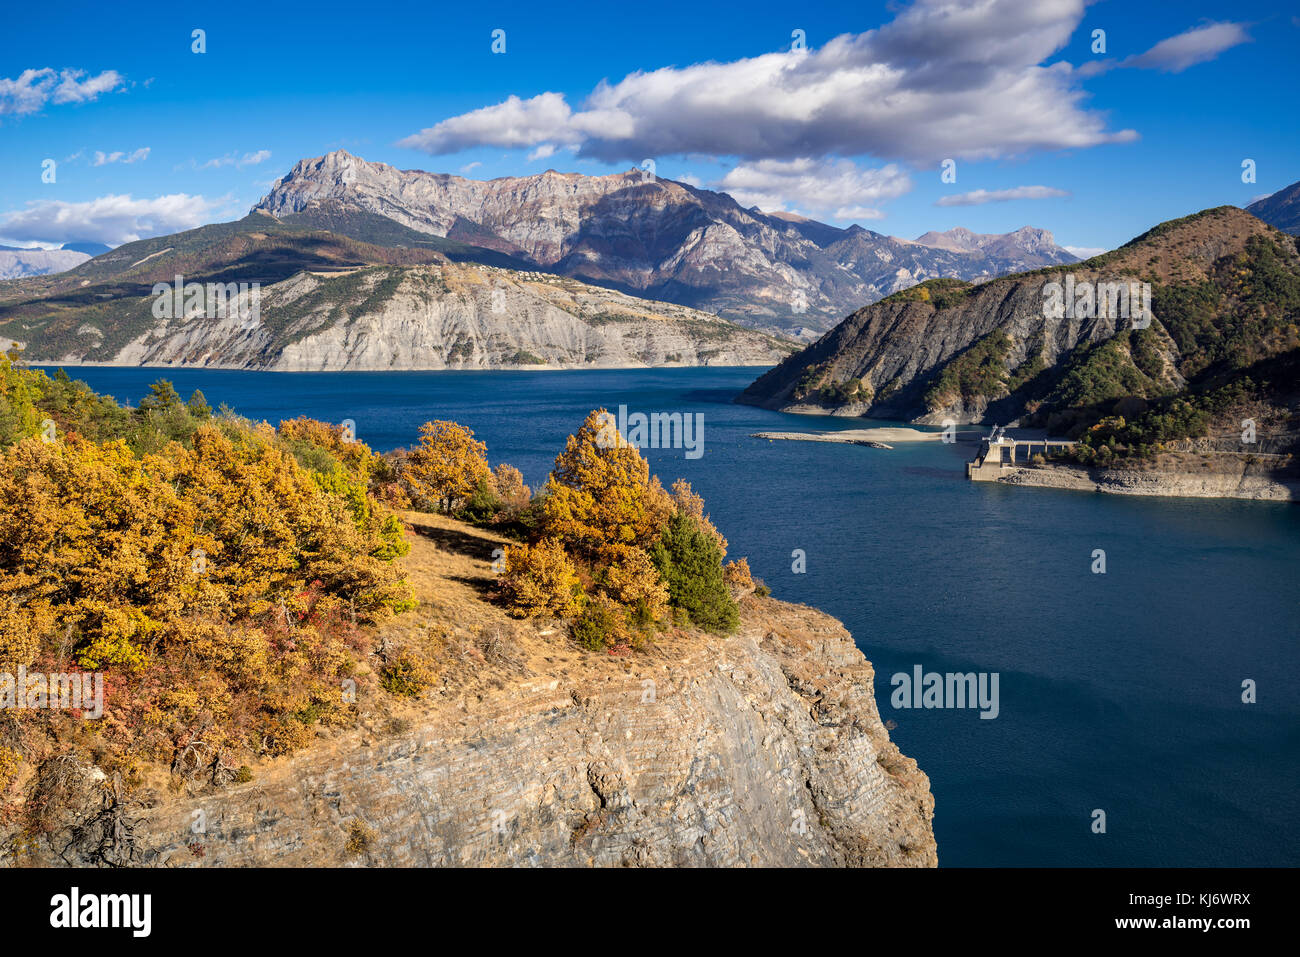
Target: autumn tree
<point x="540" y="579"/>
<point x="345" y="467"/>
<point x="508" y="483"/>
<point x="600" y="494"/>
<point x="215" y="583"/>
<point x="305" y="436"/>
<point x="93" y="542"/>
<point x="738" y="576"/>
<point x="447" y="466"/>
<point x="632" y="581"/>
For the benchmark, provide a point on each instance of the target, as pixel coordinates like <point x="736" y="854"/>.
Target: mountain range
<point x="362" y="265"/>
<point x="646" y="236"/>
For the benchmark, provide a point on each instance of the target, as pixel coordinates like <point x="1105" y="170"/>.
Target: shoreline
<point x="1260" y="487"/>
<point x="215" y="367"/>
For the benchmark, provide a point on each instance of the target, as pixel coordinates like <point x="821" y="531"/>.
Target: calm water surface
<point x="1119" y="691"/>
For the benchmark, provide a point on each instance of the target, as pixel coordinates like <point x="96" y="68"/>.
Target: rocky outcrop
<point x="765" y="748"/>
<point x="1243" y="481"/>
<point x="652" y="236"/>
<point x="442" y="316"/>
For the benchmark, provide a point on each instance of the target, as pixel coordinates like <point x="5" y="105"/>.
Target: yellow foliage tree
<point x="737" y="575"/>
<point x="446" y="466"/>
<point x="600" y="495"/>
<point x="214" y="579"/>
<point x="89" y="532"/>
<point x="338" y="440"/>
<point x="540" y="580"/>
<point x="632" y="581"/>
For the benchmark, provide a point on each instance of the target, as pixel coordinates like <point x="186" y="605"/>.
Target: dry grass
<point x="474" y="646"/>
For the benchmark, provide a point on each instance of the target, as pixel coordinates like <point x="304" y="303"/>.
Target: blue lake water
<point x="1118" y="691"/>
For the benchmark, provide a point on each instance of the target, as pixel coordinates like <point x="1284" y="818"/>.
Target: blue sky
<point x="150" y="137"/>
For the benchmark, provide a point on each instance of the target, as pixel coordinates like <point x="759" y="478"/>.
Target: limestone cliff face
<point x="444" y="316"/>
<point x="762" y="749"/>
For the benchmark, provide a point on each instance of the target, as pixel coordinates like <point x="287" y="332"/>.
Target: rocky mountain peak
<point x="1025" y="240"/>
<point x="661" y="239"/>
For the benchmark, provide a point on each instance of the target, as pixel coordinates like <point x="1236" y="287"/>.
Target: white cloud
<point x="544" y="151"/>
<point x="942" y="79"/>
<point x="981" y="196"/>
<point x="1177" y="53"/>
<point x="32" y="89"/>
<point x="815" y="186"/>
<point x="1192" y="47"/>
<point x="470" y="167"/>
<point x="514" y="123"/>
<point x="1085" y="252"/>
<point x="857" y="212"/>
<point x="73" y="89"/>
<point x="119" y="156"/>
<point x="234" y="159"/>
<point x="109" y="219"/>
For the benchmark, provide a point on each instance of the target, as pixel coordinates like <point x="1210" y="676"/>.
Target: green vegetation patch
<point x="941" y="293"/>
<point x="979" y="371"/>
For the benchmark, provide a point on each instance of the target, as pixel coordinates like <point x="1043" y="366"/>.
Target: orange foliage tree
<point x="447" y="465"/>
<point x="216" y="585"/>
<point x="540" y="579"/>
<point x="508" y="483"/>
<point x="693" y="506"/>
<point x="302" y="434"/>
<point x="601" y="496"/>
